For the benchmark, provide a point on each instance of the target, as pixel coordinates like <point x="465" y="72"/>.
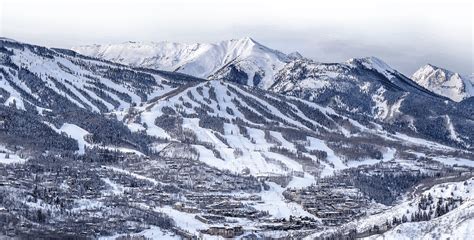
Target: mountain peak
<point x="370" y="60"/>
<point x="444" y="82"/>
<point x="429" y="69"/>
<point x="432" y="67"/>
<point x="245" y="40"/>
<point x="295" y="55"/>
<point x="374" y="63"/>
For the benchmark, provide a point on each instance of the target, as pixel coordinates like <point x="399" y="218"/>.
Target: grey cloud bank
<point x="406" y="35"/>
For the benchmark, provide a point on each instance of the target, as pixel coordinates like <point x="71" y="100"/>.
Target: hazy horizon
<point x="404" y="34"/>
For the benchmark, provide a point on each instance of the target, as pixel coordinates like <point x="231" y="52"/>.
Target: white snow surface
<point x="151" y="233"/>
<point x="186" y="221"/>
<point x="277" y="206"/>
<point x="76" y="133"/>
<point x="114" y="188"/>
<point x="8" y="157"/>
<point x="137" y="176"/>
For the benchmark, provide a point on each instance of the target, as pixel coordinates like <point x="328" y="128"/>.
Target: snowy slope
<point x="232" y="103"/>
<point x="233" y="127"/>
<point x="457" y="225"/>
<point x="51" y="79"/>
<point x="444" y="82"/>
<point x="454" y="224"/>
<point x="66" y="93"/>
<point x="40" y="76"/>
<point x="198" y="59"/>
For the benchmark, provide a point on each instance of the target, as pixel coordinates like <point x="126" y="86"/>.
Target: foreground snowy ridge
<point x="443" y="211"/>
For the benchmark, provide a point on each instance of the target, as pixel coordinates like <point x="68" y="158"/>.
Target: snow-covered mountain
<point x="248" y="62"/>
<point x="52" y="81"/>
<point x="245" y="59"/>
<point x="305" y="74"/>
<point x="364" y="86"/>
<point x="368" y="87"/>
<point x="163" y="154"/>
<point x="444" y="82"/>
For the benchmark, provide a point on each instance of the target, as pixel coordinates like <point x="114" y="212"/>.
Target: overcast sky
<point x="404" y="33"/>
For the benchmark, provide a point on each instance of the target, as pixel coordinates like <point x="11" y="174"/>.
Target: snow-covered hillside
<point x="444" y="82"/>
<point x="442" y="211"/>
<point x="456" y="224"/>
<point x="235" y="128"/>
<point x="255" y="63"/>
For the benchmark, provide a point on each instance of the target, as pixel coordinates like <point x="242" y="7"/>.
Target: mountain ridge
<point x="198" y="59"/>
<point x="253" y="69"/>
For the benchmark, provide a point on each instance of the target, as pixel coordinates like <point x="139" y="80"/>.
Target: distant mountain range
<point x="244" y="59"/>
